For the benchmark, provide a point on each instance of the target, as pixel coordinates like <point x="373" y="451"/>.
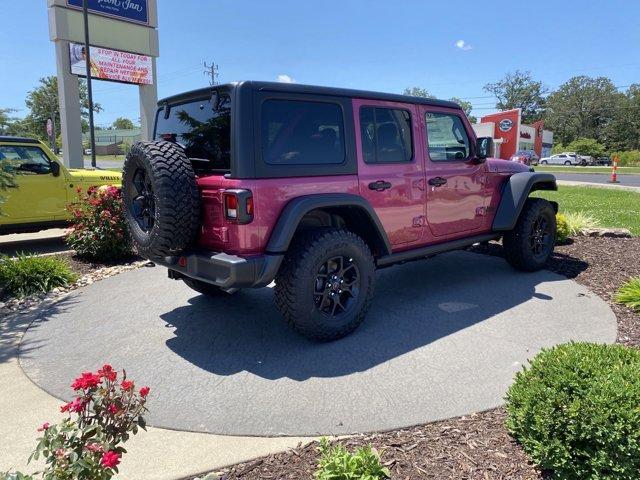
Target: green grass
<point x="611" y="208"/>
<point x="559" y="168"/>
<point x="26" y="275"/>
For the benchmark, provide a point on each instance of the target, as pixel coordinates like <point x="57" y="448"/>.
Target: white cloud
<point x="286" y="78"/>
<point x="462" y="45"/>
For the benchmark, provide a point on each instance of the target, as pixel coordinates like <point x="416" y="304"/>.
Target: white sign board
<point x="113" y="65"/>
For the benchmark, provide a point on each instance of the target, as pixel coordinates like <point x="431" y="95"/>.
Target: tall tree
<point x="623" y="133"/>
<point x="122" y="123"/>
<point x="6" y="120"/>
<point x="42" y="101"/>
<point x="417" y="92"/>
<point x="583" y="107"/>
<point x="466" y="106"/>
<point x="519" y="90"/>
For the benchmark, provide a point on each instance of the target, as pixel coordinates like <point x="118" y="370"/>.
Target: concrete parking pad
<point x="444" y="337"/>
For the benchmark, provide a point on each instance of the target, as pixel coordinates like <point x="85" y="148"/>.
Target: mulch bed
<point x="477" y="446"/>
<point x="82" y="266"/>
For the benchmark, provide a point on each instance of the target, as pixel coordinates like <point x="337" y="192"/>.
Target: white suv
<point x="565" y="158"/>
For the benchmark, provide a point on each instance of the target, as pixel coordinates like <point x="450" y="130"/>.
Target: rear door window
<point x="295" y="132"/>
<point x="26" y="160"/>
<point x="203" y="129"/>
<point x="386" y="135"/>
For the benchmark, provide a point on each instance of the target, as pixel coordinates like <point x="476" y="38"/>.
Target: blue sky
<point x="376" y="45"/>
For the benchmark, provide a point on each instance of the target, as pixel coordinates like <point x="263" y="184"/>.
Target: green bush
<point x="26" y="275"/>
<point x="576" y="411"/>
<point x="336" y="463"/>
<point x="630" y="158"/>
<point x="629" y="294"/>
<point x="578" y="222"/>
<point x="562" y="228"/>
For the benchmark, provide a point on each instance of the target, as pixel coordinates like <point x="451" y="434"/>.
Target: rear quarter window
<point x="297" y="132"/>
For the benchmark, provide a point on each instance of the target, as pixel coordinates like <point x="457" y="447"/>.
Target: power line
<point x="212" y="72"/>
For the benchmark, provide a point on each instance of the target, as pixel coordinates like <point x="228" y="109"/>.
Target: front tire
<point x="530" y="244"/>
<point x="325" y="284"/>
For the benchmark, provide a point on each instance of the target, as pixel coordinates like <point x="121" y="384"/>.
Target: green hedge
<point x="576" y="411"/>
<point x="27" y="275"/>
<point x="629" y="158"/>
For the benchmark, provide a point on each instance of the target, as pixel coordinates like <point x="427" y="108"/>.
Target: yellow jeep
<point x="44" y="186"/>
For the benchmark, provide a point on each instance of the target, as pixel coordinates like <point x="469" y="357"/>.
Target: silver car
<point x="566" y="158"/>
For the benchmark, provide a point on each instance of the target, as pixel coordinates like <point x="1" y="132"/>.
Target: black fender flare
<point x="515" y="192"/>
<point x="297" y="208"/>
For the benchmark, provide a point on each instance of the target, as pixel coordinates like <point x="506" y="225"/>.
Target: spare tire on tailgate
<point x="161" y="199"/>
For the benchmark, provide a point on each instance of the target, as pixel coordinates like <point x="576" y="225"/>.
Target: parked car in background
<point x="44" y="187"/>
<point x="605" y="161"/>
<point x="526" y="157"/>
<point x="566" y="158"/>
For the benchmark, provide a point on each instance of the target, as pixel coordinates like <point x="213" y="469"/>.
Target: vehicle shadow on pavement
<point x="414" y="305"/>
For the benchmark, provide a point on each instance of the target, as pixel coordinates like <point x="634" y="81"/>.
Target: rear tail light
<point x="238" y="205"/>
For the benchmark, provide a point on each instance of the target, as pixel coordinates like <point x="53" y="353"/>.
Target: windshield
<point x="203" y="129"/>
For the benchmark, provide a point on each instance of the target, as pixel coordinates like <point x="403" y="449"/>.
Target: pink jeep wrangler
<point x="315" y="188"/>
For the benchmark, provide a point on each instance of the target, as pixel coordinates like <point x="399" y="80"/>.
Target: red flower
<point x="108" y="372"/>
<point x="77" y="405"/>
<point x="126" y="385"/>
<point x="86" y="381"/>
<point x="110" y="459"/>
<point x="45" y="426"/>
<point x="112" y="409"/>
<point x="60" y="452"/>
<point x="144" y="391"/>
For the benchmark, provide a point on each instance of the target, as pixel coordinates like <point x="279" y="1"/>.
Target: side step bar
<point x="415" y="254"/>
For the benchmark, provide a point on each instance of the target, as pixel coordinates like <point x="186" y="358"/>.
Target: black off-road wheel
<point x="204" y="288"/>
<point x="530" y="244"/>
<point x="161" y="199"/>
<point x="325" y="284"/>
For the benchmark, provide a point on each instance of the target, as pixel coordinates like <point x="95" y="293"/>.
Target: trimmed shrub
<point x="576" y="411"/>
<point x="629" y="294"/>
<point x="630" y="158"/>
<point x="562" y="228"/>
<point x="336" y="463"/>
<point x="27" y="275"/>
<point x="99" y="229"/>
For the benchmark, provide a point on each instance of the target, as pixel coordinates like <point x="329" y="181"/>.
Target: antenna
<point x="212" y="72"/>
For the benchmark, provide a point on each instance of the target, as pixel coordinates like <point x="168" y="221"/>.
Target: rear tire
<point x="161" y="199"/>
<point x="530" y="244"/>
<point x="568" y="163"/>
<point x="544" y="162"/>
<point x="204" y="288"/>
<point x="325" y="284"/>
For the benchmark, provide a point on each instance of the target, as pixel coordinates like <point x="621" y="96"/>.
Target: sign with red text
<point x="112" y="65"/>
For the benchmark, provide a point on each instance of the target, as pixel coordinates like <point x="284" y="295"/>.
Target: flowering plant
<point x="87" y="444"/>
<point x="99" y="229"/>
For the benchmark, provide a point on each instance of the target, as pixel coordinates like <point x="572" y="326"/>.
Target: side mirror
<point x="484" y="146"/>
<point x="55" y="169"/>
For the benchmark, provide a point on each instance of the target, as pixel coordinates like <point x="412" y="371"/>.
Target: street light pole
<point x="87" y="50"/>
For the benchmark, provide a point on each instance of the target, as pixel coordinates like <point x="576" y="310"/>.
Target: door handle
<point x="379" y="186"/>
<point x="437" y="181"/>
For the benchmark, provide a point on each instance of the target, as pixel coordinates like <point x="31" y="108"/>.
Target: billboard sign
<point x="112" y="65"/>
<point x="136" y="11"/>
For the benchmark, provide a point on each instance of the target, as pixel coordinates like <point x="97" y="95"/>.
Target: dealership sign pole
<point x="87" y="56"/>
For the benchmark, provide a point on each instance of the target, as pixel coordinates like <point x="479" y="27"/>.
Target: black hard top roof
<point x="312" y="90"/>
<point x="18" y="139"/>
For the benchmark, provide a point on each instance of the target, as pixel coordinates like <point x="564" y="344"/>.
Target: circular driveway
<point x="443" y="337"/>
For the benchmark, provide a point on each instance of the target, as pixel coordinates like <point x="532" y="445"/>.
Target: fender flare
<point x="296" y="209"/>
<point x="515" y="192"/>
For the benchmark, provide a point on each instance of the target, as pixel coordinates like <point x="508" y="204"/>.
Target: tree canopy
<point x="122" y="123"/>
<point x="519" y="90"/>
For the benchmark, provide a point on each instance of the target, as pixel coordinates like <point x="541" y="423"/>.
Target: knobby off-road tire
<point x="530" y="244"/>
<point x="300" y="279"/>
<point x="161" y="199"/>
<point x="205" y="288"/>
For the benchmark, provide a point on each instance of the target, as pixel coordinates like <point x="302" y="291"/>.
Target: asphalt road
<point x="626" y="179"/>
<point x="106" y="164"/>
<point x="443" y="337"/>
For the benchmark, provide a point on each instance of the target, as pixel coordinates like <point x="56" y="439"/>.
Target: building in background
<point x="113" y="142"/>
<point x="510" y="134"/>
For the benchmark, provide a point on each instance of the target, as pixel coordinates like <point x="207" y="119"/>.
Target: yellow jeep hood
<point x="97" y="177"/>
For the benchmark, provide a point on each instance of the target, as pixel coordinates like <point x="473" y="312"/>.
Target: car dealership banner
<point x="507" y="127"/>
<point x="113" y="65"/>
<point x="127" y="10"/>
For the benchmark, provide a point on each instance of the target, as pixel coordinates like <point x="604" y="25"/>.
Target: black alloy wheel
<point x="542" y="237"/>
<point x="337" y="286"/>
<point x="143" y="205"/>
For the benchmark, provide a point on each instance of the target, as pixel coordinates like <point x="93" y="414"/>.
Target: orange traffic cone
<point x="614" y="171"/>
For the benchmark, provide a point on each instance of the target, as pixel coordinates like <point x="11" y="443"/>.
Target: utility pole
<point x="87" y="53"/>
<point x="212" y="72"/>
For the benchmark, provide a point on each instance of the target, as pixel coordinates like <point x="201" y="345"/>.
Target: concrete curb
<point x="598" y="185"/>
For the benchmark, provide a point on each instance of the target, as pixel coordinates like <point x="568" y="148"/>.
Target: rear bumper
<point x="223" y="270"/>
